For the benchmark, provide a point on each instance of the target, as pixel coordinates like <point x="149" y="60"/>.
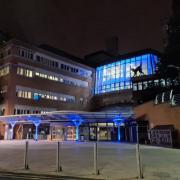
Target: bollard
<point x="26" y="166"/>
<point x="96" y="171"/>
<point x="59" y="168"/>
<point x="138" y="158"/>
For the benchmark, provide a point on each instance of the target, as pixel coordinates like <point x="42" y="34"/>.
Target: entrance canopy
<point x="67" y="117"/>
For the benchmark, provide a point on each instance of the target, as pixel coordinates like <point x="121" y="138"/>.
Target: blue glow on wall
<point x="117" y="76"/>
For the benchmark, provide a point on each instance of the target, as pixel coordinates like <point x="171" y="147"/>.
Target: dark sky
<point x="80" y="27"/>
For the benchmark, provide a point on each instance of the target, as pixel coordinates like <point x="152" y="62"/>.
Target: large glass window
<point x="117" y="76"/>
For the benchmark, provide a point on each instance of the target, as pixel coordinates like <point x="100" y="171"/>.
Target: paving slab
<point x="115" y="160"/>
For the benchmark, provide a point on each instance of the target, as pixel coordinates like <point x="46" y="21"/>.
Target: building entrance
<point x="62" y="133"/>
<point x="102" y="132"/>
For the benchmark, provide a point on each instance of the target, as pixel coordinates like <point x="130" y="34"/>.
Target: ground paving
<point x="115" y="160"/>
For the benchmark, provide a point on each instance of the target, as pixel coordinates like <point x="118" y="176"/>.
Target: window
<point x="4" y="71"/>
<point x="140" y="86"/>
<point x="135" y="87"/>
<point x="145" y="85"/>
<point x="34" y="94"/>
<point x="24" y="72"/>
<point x="162" y="82"/>
<point x="121" y="71"/>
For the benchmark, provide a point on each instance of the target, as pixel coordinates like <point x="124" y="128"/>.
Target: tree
<point x="171" y="54"/>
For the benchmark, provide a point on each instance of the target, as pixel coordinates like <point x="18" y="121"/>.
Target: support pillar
<point x="77" y="133"/>
<point x="36" y="121"/>
<point x="12" y="131"/>
<point x="36" y="132"/>
<point x="77" y="122"/>
<point x="119" y="133"/>
<point x="118" y="121"/>
<point x="6" y="133"/>
<point x="12" y="123"/>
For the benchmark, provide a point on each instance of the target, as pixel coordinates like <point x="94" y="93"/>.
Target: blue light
<point x="36" y="121"/>
<point x="77" y="133"/>
<point x="122" y="71"/>
<point x="36" y="97"/>
<point x="13" y="123"/>
<point x="77" y="120"/>
<point x="118" y="121"/>
<point x="119" y="134"/>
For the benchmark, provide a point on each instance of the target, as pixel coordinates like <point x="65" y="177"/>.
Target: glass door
<point x="93" y="133"/>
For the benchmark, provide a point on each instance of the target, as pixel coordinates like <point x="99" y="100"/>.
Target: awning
<point x="66" y="116"/>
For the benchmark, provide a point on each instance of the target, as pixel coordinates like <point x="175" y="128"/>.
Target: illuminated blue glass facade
<point x="117" y="76"/>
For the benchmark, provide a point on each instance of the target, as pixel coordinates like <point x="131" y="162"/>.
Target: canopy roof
<point x="66" y="117"/>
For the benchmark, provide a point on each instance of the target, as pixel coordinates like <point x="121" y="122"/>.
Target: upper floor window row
<point x="36" y="94"/>
<point x="51" y="76"/>
<point x="63" y="66"/>
<point x="24" y="72"/>
<point x="26" y="53"/>
<point x="69" y="68"/>
<point x="46" y="61"/>
<point x="51" y="62"/>
<point x="143" y="85"/>
<point x="20" y="109"/>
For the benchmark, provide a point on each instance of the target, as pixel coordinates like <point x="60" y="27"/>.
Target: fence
<point x="107" y="160"/>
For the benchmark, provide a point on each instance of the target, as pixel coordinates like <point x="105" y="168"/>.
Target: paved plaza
<point x="115" y="160"/>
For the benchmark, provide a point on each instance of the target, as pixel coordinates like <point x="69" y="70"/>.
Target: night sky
<point x="80" y="27"/>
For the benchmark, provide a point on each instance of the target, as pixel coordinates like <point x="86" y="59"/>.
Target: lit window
<point x="140" y="86"/>
<point x="19" y="94"/>
<point x="135" y="87"/>
<point x="29" y="73"/>
<point x="29" y="95"/>
<point x="145" y="85"/>
<point x="21" y="71"/>
<point x="36" y="73"/>
<point x="162" y="82"/>
<point x="42" y="95"/>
